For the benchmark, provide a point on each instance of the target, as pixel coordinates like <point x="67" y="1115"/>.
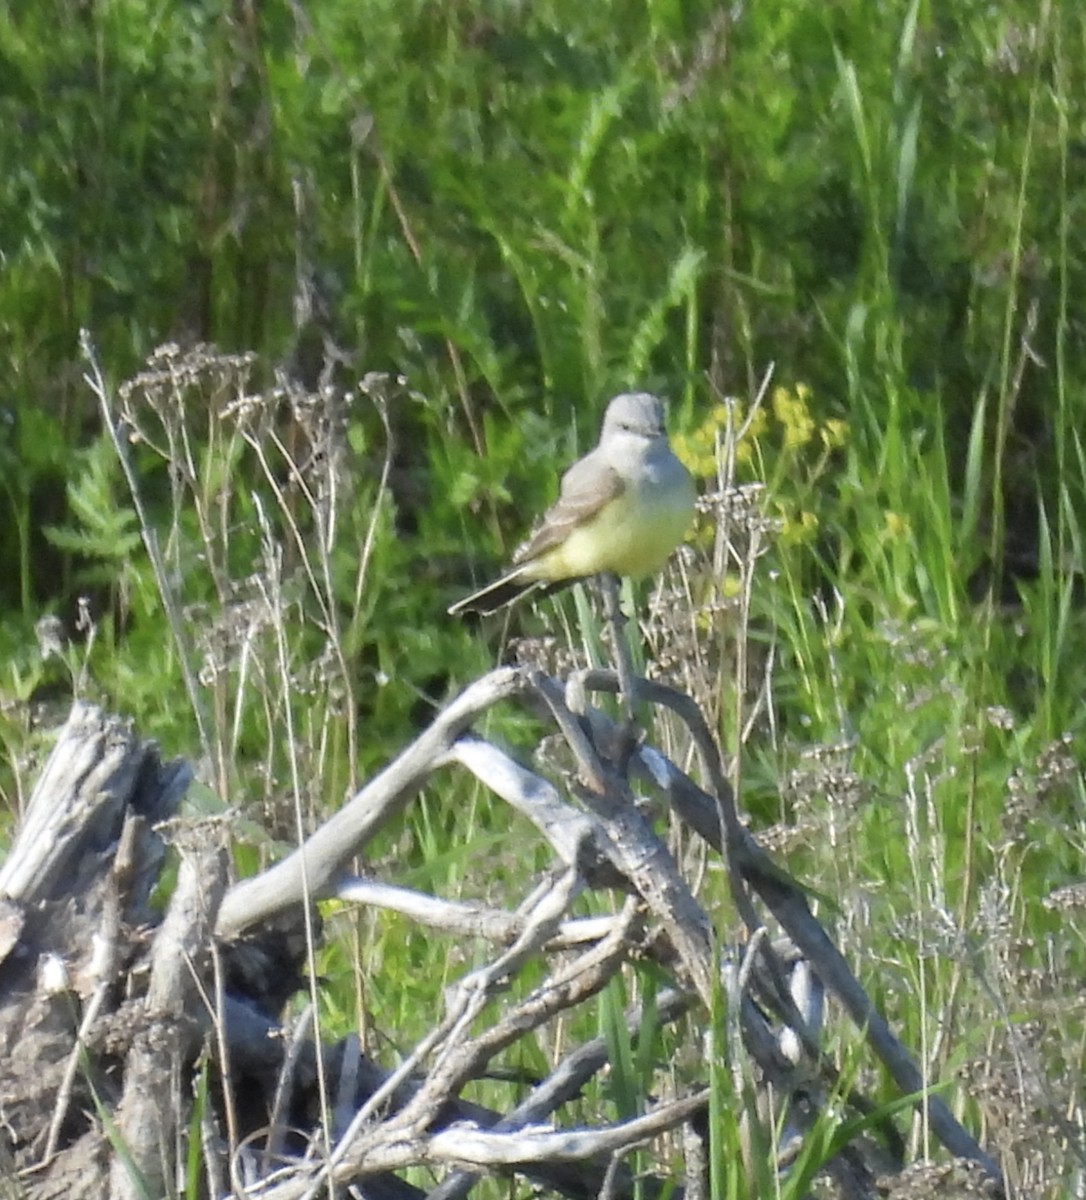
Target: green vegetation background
<point x="518" y="210"/>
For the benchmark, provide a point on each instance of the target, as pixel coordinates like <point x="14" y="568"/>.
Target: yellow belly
<point x="627" y="537"/>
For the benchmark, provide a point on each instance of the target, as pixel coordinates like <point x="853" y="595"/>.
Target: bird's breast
<point x="632" y="535"/>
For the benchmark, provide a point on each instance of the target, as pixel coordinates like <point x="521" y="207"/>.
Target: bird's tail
<point x="502" y="592"/>
<point x="495" y="595"/>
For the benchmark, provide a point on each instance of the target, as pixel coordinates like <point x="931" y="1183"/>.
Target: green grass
<point x="521" y="210"/>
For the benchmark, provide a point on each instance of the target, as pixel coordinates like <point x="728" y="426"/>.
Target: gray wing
<point x="586" y="487"/>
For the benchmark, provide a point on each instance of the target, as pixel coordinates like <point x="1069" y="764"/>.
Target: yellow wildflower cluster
<point x="727" y="422"/>
<point x="792" y="421"/>
<point x="794" y="415"/>
<point x="834" y="434"/>
<point x="799" y="529"/>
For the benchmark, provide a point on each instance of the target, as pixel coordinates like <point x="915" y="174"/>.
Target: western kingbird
<point x="622" y="508"/>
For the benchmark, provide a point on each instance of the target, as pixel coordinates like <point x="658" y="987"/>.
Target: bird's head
<point x="637" y="413"/>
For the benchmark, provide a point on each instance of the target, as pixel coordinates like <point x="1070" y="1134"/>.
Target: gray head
<point x="635" y="413"/>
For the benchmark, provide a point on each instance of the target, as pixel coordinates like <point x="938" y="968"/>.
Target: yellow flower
<point x="799" y="531"/>
<point x="791" y="410"/>
<point x="759" y="423"/>
<point x="834" y="434"/>
<point x="731" y="587"/>
<point x="697" y="450"/>
<point x="896" y="527"/>
<point x="691" y="451"/>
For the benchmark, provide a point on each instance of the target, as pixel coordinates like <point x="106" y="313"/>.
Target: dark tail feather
<point x="503" y="592"/>
<point x="494" y="596"/>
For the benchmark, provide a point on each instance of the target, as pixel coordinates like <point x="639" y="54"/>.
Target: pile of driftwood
<point x="140" y="1018"/>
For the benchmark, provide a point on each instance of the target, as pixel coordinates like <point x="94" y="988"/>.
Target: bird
<point x="621" y="509"/>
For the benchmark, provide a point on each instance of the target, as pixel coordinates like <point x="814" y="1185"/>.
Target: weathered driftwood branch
<point x="310" y="873"/>
<point x="79" y="874"/>
<point x="153" y="1103"/>
<point x="619" y="834"/>
<point x="99" y="772"/>
<point x="102" y="782"/>
<point x="465" y="917"/>
<point x="716" y="819"/>
<point x="467" y="1148"/>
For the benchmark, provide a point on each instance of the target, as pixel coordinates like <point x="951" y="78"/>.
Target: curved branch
<point x="310" y="872"/>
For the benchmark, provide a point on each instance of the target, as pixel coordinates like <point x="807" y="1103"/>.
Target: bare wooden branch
<point x="564" y="1084"/>
<point x="617" y="621"/>
<point x="461" y="917"/>
<point x="577" y="838"/>
<point x="463" y="1146"/>
<point x="465" y="917"/>
<point x="638" y="852"/>
<point x="148" y="1114"/>
<point x="316" y="864"/>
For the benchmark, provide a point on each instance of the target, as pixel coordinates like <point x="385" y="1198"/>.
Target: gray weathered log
<point x="155" y="1096"/>
<point x="78" y="874"/>
<point x="98" y="771"/>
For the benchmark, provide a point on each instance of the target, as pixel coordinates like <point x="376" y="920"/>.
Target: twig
<point x="617" y="620"/>
<point x="464" y="918"/>
<point x="564" y="1084"/>
<point x="474" y="1148"/>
